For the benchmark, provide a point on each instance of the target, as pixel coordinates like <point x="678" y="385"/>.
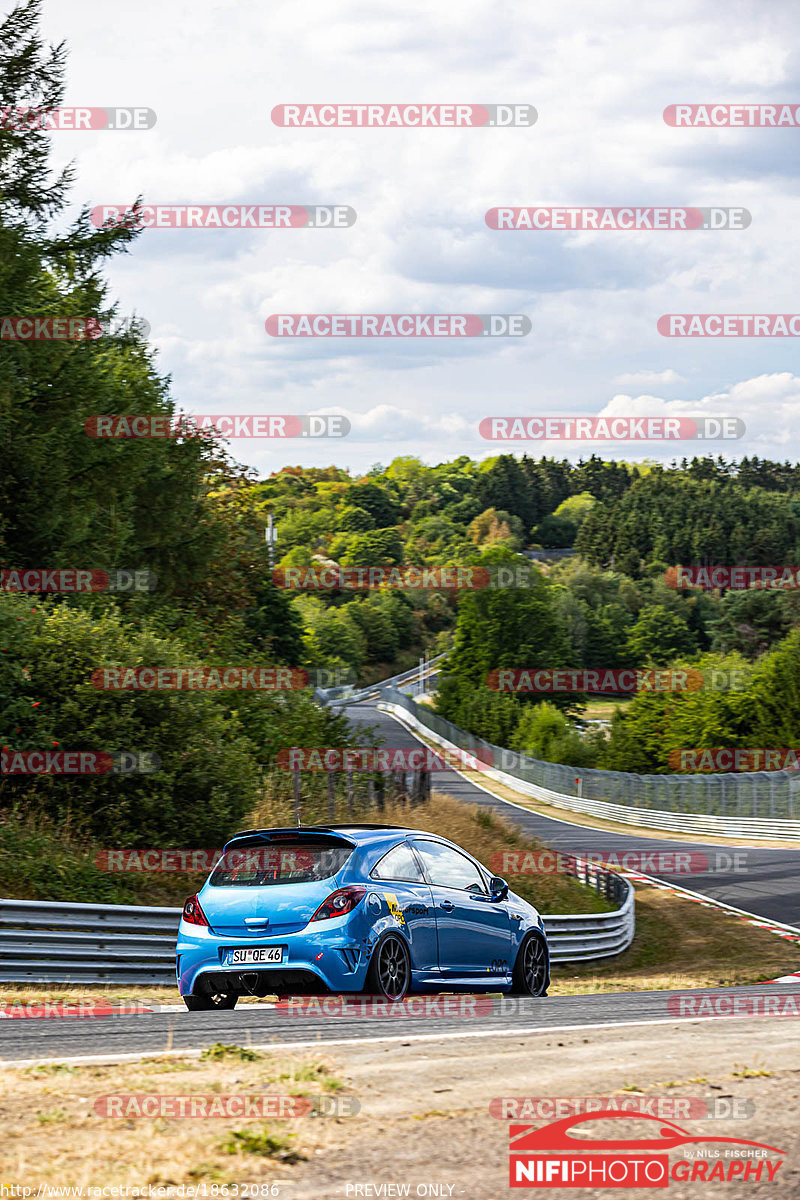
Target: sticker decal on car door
<point x="394" y="908"/>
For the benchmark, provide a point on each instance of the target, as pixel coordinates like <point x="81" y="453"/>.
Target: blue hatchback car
<point x="354" y="908"/>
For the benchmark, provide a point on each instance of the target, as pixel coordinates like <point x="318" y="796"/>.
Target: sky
<point x="599" y="73"/>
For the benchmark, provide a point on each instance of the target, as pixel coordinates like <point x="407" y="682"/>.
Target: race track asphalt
<point x="272" y="1027"/>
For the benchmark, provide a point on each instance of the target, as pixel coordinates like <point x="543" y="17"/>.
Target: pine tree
<point x="66" y="499"/>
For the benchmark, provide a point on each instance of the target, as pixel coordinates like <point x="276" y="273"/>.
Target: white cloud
<point x="600" y="75"/>
<point x="649" y="378"/>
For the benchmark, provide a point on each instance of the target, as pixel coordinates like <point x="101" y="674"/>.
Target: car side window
<point x="447" y="867"/>
<point x="400" y="864"/>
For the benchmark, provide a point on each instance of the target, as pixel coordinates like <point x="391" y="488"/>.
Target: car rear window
<point x="261" y="866"/>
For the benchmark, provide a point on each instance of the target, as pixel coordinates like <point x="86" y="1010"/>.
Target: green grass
<point x="41" y="859"/>
<point x="263" y="1142"/>
<point x="311" y="1073"/>
<point x="220" y="1051"/>
<point x="602" y="709"/>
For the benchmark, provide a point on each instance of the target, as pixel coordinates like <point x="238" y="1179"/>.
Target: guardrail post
<point x="296" y="794"/>
<point x="349" y="783"/>
<point x="331" y="796"/>
<point x="420" y="787"/>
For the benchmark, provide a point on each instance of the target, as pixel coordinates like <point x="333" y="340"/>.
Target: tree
<point x="377" y="502"/>
<point x="494" y="527"/>
<point x="499" y="627"/>
<point x="380" y="547"/>
<point x="357" y="519"/>
<point x="67" y="499"/>
<point x="275" y="626"/>
<point x="544" y="732"/>
<point x="659" y="636"/>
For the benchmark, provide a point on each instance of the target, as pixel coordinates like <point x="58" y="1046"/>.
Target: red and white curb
<point x="787" y="932"/>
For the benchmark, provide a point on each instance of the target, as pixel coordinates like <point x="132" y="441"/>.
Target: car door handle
<point x="447" y="905"/>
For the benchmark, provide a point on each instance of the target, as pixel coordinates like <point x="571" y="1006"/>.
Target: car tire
<point x="210" y="1001"/>
<point x="532" y="968"/>
<point x="389" y="974"/>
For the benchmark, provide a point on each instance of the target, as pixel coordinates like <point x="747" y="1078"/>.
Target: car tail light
<point x="339" y="903"/>
<point x="193" y="913"/>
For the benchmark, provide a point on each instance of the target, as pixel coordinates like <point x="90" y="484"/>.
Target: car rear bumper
<point x="327" y="959"/>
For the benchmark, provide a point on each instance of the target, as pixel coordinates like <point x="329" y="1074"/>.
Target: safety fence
<point x="757" y="804"/>
<point x="349" y="695"/>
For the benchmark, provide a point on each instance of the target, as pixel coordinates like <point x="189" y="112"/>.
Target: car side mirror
<point x="499" y="888"/>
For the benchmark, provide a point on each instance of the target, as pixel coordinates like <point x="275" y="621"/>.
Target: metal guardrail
<point x="553" y="555"/>
<point x="348" y="695"/>
<point x="50" y="942"/>
<point x="582" y="937"/>
<point x="760" y="804"/>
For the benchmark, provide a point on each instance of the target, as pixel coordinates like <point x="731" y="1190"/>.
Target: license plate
<point x="262" y="954"/>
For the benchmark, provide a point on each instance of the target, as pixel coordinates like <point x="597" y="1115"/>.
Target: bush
<point x="210" y="744"/>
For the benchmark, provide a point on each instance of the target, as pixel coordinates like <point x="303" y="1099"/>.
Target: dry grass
<point x="601" y="709"/>
<point x="681" y="944"/>
<point x="52" y="1134"/>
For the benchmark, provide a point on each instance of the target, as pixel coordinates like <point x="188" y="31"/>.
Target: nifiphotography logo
<point x="561" y="1155"/>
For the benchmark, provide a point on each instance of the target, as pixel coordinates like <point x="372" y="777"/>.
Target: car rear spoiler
<point x="325" y="835"/>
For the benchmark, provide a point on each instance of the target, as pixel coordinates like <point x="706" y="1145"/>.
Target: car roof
<point x="360" y="832"/>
